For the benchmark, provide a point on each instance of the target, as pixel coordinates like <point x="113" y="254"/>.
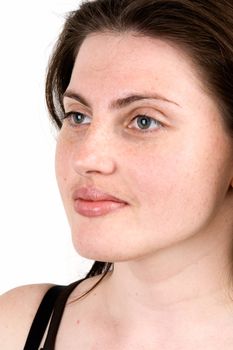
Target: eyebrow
<point x="121" y="102"/>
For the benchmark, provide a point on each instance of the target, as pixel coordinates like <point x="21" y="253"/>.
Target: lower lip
<point x="97" y="208"/>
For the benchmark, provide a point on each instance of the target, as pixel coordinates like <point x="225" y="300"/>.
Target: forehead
<point x="112" y="60"/>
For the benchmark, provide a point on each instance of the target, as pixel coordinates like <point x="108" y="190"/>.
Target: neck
<point x="177" y="288"/>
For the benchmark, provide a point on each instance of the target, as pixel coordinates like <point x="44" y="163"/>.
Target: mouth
<point x="92" y="202"/>
<point x="96" y="208"/>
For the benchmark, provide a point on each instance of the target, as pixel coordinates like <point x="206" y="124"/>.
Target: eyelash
<point x="70" y="115"/>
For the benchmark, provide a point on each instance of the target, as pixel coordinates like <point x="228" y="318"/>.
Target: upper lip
<point x="94" y="194"/>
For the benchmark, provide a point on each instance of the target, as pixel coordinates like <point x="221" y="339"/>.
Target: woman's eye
<point x="76" y="118"/>
<point x="143" y="122"/>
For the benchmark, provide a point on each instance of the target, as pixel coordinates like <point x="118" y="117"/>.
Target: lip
<point x="92" y="202"/>
<point x="94" y="194"/>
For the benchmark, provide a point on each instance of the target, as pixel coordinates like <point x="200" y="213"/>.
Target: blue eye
<point x="141" y="123"/>
<point x="76" y="118"/>
<point x="146" y="123"/>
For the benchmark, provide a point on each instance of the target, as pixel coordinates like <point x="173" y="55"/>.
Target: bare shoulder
<point x="18" y="307"/>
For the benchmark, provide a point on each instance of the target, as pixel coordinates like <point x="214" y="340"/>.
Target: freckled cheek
<point x="154" y="174"/>
<point x="166" y="179"/>
<point x="62" y="160"/>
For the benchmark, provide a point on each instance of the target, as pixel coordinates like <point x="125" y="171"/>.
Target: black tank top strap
<point x="41" y="318"/>
<point x="59" y="306"/>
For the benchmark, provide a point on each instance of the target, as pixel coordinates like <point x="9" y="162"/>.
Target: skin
<point x="171" y="246"/>
<point x="178" y="161"/>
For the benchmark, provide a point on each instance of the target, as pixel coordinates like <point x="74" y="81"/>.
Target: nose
<point x="94" y="153"/>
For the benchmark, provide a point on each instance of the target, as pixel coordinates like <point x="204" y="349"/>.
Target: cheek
<point x="156" y="177"/>
<point x="62" y="163"/>
<point x="177" y="190"/>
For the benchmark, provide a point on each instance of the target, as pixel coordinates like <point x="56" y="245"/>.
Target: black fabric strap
<point x="57" y="316"/>
<point x="42" y="317"/>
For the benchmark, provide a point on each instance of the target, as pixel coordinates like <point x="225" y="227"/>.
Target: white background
<point x="35" y="240"/>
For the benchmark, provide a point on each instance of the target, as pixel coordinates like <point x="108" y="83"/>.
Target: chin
<point x="106" y="252"/>
<point x="96" y="253"/>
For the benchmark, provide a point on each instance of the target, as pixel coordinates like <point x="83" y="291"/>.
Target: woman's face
<point x="142" y="130"/>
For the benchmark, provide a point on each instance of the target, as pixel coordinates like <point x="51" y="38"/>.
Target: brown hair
<point x="204" y="28"/>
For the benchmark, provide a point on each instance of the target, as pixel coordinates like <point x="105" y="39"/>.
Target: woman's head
<point x="203" y="28"/>
<point x="156" y="123"/>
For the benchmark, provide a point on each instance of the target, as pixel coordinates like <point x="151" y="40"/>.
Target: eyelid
<point x="73" y="105"/>
<point x="154" y="115"/>
<point x="68" y="116"/>
<point x="151" y="112"/>
<point x="76" y="107"/>
<point x="160" y="124"/>
<point x="70" y="113"/>
<point x="137" y="130"/>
